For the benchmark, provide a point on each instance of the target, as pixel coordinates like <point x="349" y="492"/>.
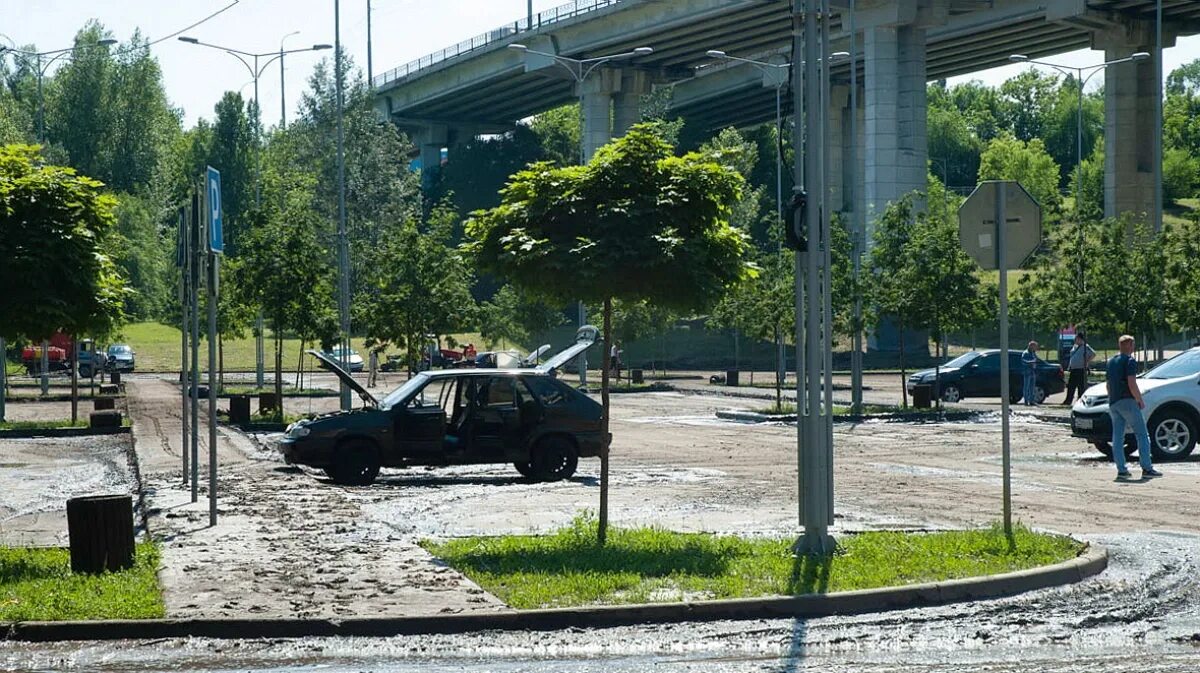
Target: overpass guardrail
<point x="501" y="34"/>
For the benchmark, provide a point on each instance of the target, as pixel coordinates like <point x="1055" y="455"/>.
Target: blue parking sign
<point x="216" y="239"/>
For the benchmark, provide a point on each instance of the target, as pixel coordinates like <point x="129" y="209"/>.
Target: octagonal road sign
<point x="977" y="224"/>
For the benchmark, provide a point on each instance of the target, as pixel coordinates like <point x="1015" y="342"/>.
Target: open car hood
<point x="584" y="338"/>
<point x="336" y="368"/>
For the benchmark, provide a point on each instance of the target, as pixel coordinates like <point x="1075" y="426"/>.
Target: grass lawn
<point x="287" y="391"/>
<point x="37" y="584"/>
<point x="44" y="425"/>
<point x="641" y="565"/>
<point x="790" y="408"/>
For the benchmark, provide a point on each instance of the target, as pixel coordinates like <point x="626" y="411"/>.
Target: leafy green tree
<point x="143" y="123"/>
<point x="54" y="226"/>
<point x="1182" y="277"/>
<point x="144" y="257"/>
<point x="1181" y="109"/>
<point x="890" y="288"/>
<point x="1008" y="158"/>
<point x="283" y="270"/>
<point x="231" y="149"/>
<point x="1181" y="175"/>
<point x="417" y="285"/>
<point x="954" y="148"/>
<point x="515" y="317"/>
<point x="1091" y="202"/>
<point x="636" y="223"/>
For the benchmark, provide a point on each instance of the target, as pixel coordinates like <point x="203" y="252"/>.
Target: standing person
<point x="1125" y="406"/>
<point x="1077" y="368"/>
<point x="1029" y="361"/>
<point x="372" y="367"/>
<point x="614" y="357"/>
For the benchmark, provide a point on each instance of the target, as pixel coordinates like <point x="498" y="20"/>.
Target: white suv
<point x="1172" y="395"/>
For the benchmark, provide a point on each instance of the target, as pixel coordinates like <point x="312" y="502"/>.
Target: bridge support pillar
<point x="596" y="97"/>
<point x="627" y="104"/>
<point x="1130" y="106"/>
<point x="840" y="174"/>
<point x="430" y="140"/>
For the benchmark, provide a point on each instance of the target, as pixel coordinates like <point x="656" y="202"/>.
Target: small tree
<point x="637" y="223"/>
<point x="1008" y="158"/>
<point x="890" y="283"/>
<point x="513" y="316"/>
<point x="416" y="285"/>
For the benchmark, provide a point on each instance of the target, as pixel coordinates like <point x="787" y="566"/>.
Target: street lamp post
<point x="255" y="72"/>
<point x="775" y="75"/>
<point x="580" y="70"/>
<point x="41" y="69"/>
<point x="1082" y="81"/>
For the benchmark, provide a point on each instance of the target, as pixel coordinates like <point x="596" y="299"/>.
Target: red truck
<point x="57" y="356"/>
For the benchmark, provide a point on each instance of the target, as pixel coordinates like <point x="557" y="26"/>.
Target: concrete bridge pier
<point x="611" y="100"/>
<point x="430" y="139"/>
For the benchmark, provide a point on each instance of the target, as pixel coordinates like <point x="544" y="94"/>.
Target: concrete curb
<point x="64" y="432"/>
<point x="899" y="417"/>
<point x="1091" y="562"/>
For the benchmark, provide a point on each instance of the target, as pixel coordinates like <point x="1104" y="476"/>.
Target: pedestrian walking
<point x="1029" y="360"/>
<point x="614" y="358"/>
<point x="1077" y="368"/>
<point x="372" y="367"/>
<point x="1125" y="406"/>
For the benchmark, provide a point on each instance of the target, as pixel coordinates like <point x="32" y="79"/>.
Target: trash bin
<point x="267" y="402"/>
<point x="731" y="377"/>
<point x="637" y="376"/>
<point x="103" y="403"/>
<point x="115" y="378"/>
<point x="922" y="396"/>
<point x="239" y="409"/>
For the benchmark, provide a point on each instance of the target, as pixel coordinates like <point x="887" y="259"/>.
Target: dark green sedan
<point x="525" y="417"/>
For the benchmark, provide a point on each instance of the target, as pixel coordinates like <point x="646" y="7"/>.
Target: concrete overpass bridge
<point x="480" y="86"/>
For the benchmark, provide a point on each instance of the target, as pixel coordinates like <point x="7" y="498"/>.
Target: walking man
<point x="1029" y="361"/>
<point x="1077" y="368"/>
<point x="1125" y="406"/>
<point x="372" y="367"/>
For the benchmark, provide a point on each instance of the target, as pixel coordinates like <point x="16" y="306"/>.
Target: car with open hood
<point x="1171" y="392"/>
<point x="526" y="417"/>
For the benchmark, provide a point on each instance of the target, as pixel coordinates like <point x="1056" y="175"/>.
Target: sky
<point x="402" y="30"/>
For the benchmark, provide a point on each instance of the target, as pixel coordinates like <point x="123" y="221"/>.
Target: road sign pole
<point x="214" y="271"/>
<point x="185" y="269"/>
<point x="194" y="277"/>
<point x="1005" y="382"/>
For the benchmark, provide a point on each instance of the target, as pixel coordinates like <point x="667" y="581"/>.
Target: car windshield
<point x="119" y="350"/>
<point x="961" y="360"/>
<point x="412" y="385"/>
<point x="1184" y="364"/>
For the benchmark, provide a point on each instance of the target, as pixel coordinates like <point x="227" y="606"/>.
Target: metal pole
<point x="184" y="288"/>
<point x="529" y="9"/>
<point x="1002" y="265"/>
<point x="780" y="355"/>
<point x="41" y="103"/>
<point x="343" y="243"/>
<point x="3" y="376"/>
<point x="370" y="71"/>
<point x="856" y="356"/>
<point x="214" y="271"/>
<point x="282" y="96"/>
<point x="196" y="263"/>
<point x="1158" y="124"/>
<point x="798" y="186"/>
<point x="1079" y="175"/>
<point x="826" y="261"/>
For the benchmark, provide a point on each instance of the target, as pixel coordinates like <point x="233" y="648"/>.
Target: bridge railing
<point x="537" y="21"/>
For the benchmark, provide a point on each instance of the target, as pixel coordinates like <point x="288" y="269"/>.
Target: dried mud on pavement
<point x="286" y="544"/>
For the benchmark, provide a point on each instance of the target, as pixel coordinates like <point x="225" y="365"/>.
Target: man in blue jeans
<point x="1125" y="405"/>
<point x="1029" y="360"/>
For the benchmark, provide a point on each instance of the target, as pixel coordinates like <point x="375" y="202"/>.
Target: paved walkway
<point x="286" y="544"/>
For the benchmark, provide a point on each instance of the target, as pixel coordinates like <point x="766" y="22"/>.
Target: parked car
<point x="355" y="361"/>
<point x="526" y="417"/>
<point x="1172" y="395"/>
<point x="120" y="358"/>
<point x="977" y="374"/>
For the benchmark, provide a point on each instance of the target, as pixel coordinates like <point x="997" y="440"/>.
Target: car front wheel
<point x="554" y="459"/>
<point x="1039" y="394"/>
<point x="1106" y="447"/>
<point x="357" y="464"/>
<point x="526" y="469"/>
<point x="951" y="394"/>
<point x="1172" y="435"/>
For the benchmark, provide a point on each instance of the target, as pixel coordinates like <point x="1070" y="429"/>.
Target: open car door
<point x="584" y="338"/>
<point x="342" y="374"/>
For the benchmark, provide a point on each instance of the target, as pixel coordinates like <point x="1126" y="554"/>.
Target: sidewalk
<point x="286" y="544"/>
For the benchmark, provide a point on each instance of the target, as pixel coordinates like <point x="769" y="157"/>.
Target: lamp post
<point x="580" y="70"/>
<point x="41" y="69"/>
<point x="256" y="71"/>
<point x="1070" y="71"/>
<point x="777" y="76"/>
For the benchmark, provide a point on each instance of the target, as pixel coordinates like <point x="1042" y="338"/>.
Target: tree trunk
<point x="604" y="370"/>
<point x="74" y="379"/>
<point x="278" y="377"/>
<point x="903" y="372"/>
<point x="101" y="533"/>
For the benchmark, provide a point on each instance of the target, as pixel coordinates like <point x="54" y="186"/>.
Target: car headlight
<point x="297" y="430"/>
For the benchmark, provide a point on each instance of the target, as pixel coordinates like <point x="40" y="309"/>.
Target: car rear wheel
<point x="1039" y="394"/>
<point x="1172" y="435"/>
<point x="951" y="394"/>
<point x="526" y="469"/>
<point x="554" y="459"/>
<point x="357" y="463"/>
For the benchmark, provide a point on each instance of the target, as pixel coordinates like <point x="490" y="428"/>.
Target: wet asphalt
<point x="1141" y="616"/>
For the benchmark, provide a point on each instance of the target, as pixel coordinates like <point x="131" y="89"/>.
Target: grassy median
<point x="647" y="565"/>
<point x="38" y="585"/>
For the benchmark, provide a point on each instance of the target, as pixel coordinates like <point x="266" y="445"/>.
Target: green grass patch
<point x="287" y="392"/>
<point x="269" y="417"/>
<point x="37" y="584"/>
<point x="647" y="565"/>
<point x="43" y="425"/>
